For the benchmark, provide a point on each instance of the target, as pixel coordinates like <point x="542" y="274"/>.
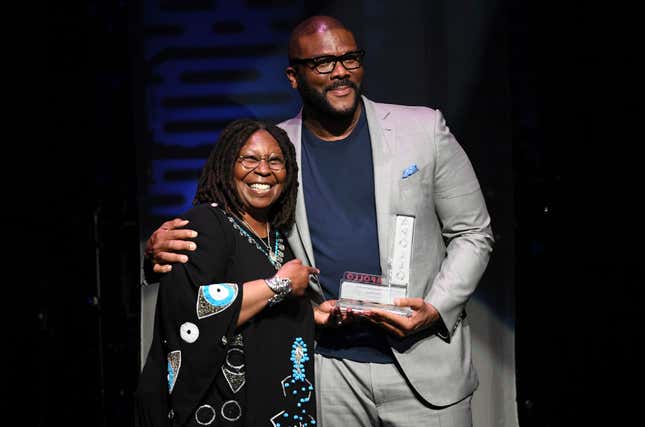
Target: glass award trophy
<point x="362" y="292"/>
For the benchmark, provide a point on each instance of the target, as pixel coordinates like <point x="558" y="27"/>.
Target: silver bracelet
<point x="281" y="286"/>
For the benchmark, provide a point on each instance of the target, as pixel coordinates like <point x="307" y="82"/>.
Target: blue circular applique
<point x="220" y="294"/>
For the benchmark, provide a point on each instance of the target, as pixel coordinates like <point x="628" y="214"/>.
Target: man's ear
<point x="291" y="75"/>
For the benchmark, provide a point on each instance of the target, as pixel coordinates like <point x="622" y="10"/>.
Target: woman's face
<point x="259" y="184"/>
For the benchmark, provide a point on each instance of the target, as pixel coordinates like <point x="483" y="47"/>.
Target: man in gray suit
<point x="363" y="166"/>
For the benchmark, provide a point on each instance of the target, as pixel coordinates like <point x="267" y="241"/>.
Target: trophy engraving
<point x="362" y="291"/>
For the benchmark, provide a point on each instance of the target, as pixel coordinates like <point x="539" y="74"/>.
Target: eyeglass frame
<point x="335" y="59"/>
<point x="241" y="158"/>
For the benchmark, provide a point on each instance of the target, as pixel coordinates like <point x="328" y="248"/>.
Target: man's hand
<point x="329" y="314"/>
<point x="325" y="313"/>
<point x="162" y="246"/>
<point x="423" y="316"/>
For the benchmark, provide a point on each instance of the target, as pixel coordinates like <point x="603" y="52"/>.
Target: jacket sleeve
<point x="151" y="396"/>
<point x="198" y="313"/>
<point x="466" y="228"/>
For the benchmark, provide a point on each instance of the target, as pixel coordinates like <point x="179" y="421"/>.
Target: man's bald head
<point x="312" y="25"/>
<point x="334" y="94"/>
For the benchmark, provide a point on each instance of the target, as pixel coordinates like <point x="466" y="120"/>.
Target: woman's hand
<point x="298" y="273"/>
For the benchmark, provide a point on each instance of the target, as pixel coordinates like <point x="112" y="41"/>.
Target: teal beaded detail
<point x="298" y="357"/>
<point x="275" y="257"/>
<point x="297" y="388"/>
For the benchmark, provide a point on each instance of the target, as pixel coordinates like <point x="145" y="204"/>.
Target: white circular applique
<point x="220" y="293"/>
<point x="189" y="332"/>
<point x="235" y="358"/>
<point x="231" y="411"/>
<point x="204" y="415"/>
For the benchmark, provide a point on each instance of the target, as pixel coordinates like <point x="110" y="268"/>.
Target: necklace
<point x="275" y="254"/>
<point x="266" y="244"/>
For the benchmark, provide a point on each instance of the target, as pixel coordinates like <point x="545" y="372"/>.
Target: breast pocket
<point x="412" y="192"/>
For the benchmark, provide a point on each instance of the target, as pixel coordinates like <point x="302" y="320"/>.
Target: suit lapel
<point x="382" y="136"/>
<point x="299" y="238"/>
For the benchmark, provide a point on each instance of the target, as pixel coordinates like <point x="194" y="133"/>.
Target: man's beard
<point x="317" y="101"/>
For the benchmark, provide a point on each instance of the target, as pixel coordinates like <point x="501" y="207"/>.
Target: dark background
<point x="570" y="80"/>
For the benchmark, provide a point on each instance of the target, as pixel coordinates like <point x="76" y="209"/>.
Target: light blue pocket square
<point x="412" y="169"/>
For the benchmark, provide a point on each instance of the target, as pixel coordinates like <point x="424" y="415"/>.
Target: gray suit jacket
<point x="452" y="236"/>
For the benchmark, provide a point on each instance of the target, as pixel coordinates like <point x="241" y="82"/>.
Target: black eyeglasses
<point x="326" y="64"/>
<point x="251" y="162"/>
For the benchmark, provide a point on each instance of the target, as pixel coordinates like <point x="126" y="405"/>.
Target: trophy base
<point x="358" y="306"/>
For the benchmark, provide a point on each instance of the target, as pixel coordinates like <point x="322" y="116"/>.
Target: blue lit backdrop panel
<point x="207" y="63"/>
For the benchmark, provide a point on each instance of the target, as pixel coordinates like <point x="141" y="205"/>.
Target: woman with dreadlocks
<point x="232" y="336"/>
